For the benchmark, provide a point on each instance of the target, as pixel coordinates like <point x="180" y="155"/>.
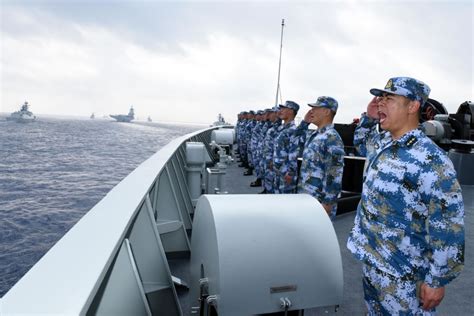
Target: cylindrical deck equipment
<point x="223" y="136"/>
<point x="195" y="160"/>
<point x="256" y="254"/>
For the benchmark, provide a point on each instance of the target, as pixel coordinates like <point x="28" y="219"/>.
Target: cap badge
<point x="389" y="85"/>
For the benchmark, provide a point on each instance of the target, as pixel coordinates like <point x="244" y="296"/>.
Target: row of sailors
<point x="270" y="143"/>
<point x="409" y="227"/>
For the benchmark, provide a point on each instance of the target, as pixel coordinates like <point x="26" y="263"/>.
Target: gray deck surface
<point x="459" y="299"/>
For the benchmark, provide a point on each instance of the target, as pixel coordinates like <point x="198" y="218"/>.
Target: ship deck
<point x="459" y="297"/>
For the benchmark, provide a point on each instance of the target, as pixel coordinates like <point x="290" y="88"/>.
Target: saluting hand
<point x="372" y="109"/>
<point x="430" y="297"/>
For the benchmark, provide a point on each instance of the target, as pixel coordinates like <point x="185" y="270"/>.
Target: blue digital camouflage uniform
<point x="259" y="135"/>
<point x="285" y="152"/>
<point x="268" y="148"/>
<point x="261" y="147"/>
<point x="409" y="225"/>
<point x="284" y="162"/>
<point x="257" y="129"/>
<point x="248" y="137"/>
<point x="238" y="132"/>
<point x="240" y="140"/>
<point x="243" y="146"/>
<point x="322" y="165"/>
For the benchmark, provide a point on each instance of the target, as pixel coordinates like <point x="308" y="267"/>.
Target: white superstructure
<point x="23" y="116"/>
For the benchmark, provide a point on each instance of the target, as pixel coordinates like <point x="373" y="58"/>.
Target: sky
<point x="187" y="61"/>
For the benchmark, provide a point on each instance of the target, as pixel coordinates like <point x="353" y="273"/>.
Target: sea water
<point x="52" y="171"/>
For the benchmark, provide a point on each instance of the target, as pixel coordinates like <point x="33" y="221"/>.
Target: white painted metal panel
<point x="257" y="249"/>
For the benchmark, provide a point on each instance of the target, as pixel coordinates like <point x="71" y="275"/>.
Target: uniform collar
<point x="409" y="138"/>
<point x="289" y="123"/>
<point x="325" y="128"/>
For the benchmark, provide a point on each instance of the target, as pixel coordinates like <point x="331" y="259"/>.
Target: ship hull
<point x="21" y="119"/>
<point x="122" y="118"/>
<point x="125" y="253"/>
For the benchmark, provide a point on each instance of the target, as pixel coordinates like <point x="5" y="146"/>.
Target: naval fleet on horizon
<point x="24" y="115"/>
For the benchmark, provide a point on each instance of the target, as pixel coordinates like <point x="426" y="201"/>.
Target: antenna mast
<point x="279" y="64"/>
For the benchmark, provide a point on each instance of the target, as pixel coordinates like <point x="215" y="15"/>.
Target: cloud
<point x="190" y="61"/>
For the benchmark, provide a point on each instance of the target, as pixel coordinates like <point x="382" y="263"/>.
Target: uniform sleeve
<point x="280" y="154"/>
<point x="296" y="144"/>
<point x="334" y="163"/>
<point x="364" y="133"/>
<point x="248" y="134"/>
<point x="268" y="145"/>
<point x="442" y="194"/>
<point x="300" y="135"/>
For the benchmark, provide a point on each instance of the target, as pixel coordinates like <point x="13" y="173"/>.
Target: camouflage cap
<point x="259" y="112"/>
<point x="290" y="105"/>
<point x="325" y="102"/>
<point x="252" y="112"/>
<point x="410" y="88"/>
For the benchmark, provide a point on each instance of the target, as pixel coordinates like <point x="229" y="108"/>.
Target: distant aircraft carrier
<point x="124" y="118"/>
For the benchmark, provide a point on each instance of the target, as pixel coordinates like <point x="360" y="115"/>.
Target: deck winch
<point x="258" y="254"/>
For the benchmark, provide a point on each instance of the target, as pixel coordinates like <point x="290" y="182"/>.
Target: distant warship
<point x="220" y="121"/>
<point x="24" y="115"/>
<point x="124" y="118"/>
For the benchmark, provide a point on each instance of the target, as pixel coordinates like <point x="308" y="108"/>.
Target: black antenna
<point x="279" y="64"/>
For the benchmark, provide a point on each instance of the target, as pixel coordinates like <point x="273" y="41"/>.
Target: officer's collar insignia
<point x="411" y="140"/>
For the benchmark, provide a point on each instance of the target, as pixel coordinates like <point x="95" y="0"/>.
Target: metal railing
<point x="113" y="260"/>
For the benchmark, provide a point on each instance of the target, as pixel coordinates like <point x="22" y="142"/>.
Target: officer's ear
<point x="414" y="107"/>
